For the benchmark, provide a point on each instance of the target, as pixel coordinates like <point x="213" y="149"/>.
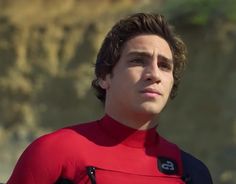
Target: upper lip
<point x="151" y="90"/>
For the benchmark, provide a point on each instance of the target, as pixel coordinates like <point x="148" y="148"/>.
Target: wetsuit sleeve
<point x="195" y="172"/>
<point x="39" y="163"/>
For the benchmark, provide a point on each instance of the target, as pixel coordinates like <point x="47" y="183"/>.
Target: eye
<point x="165" y="66"/>
<point x="138" y="61"/>
<point x="164" y="63"/>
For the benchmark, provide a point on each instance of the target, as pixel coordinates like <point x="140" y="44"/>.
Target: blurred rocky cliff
<point x="47" y="53"/>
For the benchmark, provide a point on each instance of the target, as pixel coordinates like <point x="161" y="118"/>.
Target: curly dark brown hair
<point x="127" y="28"/>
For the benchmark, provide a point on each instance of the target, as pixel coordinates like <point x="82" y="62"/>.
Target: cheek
<point x="172" y="81"/>
<point x="135" y="75"/>
<point x="169" y="82"/>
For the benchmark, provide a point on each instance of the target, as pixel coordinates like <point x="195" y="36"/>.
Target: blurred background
<point x="47" y="54"/>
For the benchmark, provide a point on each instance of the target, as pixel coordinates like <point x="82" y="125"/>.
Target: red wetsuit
<point x="120" y="155"/>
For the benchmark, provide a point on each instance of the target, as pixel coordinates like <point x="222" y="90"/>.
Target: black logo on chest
<point x="167" y="166"/>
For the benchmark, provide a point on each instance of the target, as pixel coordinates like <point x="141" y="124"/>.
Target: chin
<point x="151" y="109"/>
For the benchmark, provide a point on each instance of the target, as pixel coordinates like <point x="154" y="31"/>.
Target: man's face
<point x="142" y="79"/>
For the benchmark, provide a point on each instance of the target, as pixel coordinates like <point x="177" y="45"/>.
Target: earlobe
<point x="103" y="84"/>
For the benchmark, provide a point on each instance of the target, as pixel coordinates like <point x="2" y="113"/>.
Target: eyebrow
<point x="148" y="55"/>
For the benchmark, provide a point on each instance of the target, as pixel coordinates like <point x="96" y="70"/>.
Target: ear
<point x="103" y="83"/>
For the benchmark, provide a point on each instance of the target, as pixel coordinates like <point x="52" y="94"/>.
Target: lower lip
<point x="150" y="95"/>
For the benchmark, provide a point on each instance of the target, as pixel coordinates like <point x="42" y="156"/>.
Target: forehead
<point x="151" y="44"/>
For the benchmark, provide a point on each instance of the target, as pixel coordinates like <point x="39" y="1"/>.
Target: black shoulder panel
<point x="195" y="172"/>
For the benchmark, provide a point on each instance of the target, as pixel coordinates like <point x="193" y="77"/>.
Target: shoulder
<point x="58" y="145"/>
<point x="195" y="170"/>
<point x="50" y="155"/>
<point x="63" y="138"/>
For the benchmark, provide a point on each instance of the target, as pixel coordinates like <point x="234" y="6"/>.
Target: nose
<point x="152" y="72"/>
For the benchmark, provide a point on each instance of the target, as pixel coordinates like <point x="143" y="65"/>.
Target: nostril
<point x="153" y="78"/>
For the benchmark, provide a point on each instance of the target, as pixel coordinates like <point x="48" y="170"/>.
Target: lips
<point x="151" y="91"/>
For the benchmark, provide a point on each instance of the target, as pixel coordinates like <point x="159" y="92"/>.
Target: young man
<point x="138" y="69"/>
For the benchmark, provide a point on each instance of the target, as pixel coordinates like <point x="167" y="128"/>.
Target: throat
<point x="135" y="121"/>
<point x="122" y="134"/>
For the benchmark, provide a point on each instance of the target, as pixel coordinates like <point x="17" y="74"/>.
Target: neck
<point x="136" y="121"/>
